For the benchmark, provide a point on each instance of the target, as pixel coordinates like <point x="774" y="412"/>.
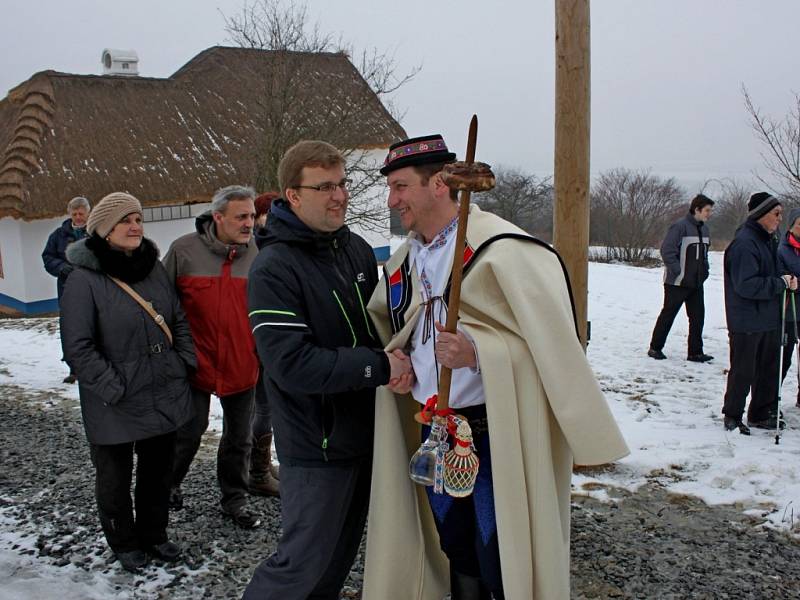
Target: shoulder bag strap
<point x="159" y="319"/>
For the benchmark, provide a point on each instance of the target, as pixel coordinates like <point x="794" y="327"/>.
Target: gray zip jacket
<point x="685" y="253"/>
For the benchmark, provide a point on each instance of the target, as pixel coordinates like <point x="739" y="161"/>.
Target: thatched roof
<point x="166" y="141"/>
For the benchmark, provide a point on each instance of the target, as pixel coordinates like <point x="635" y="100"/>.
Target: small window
<point x="166" y="213"/>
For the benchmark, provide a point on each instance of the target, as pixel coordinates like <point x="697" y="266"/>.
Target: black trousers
<point x="675" y="297"/>
<point x="233" y="454"/>
<point x="323" y="510"/>
<point x="754" y="369"/>
<point x="113" y="470"/>
<point x="262" y="421"/>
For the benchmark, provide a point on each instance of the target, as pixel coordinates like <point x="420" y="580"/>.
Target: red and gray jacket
<point x="211" y="279"/>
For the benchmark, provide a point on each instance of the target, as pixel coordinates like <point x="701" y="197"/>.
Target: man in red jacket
<point x="209" y="268"/>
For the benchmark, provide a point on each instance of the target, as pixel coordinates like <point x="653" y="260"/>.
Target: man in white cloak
<point x="521" y="378"/>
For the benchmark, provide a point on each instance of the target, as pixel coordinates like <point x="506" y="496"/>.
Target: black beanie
<point x="760" y="204"/>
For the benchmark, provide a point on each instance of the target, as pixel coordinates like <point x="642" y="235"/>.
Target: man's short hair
<point x="308" y="153"/>
<point x="78" y="202"/>
<point x="219" y="203"/>
<point x="427" y="171"/>
<point x="699" y="202"/>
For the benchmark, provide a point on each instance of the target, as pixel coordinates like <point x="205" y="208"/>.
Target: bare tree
<point x="781" y="141"/>
<point x="523" y="199"/>
<point x="630" y="212"/>
<point x="730" y="209"/>
<point x="290" y="107"/>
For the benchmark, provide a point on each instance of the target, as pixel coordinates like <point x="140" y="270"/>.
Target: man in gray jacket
<point x="685" y="255"/>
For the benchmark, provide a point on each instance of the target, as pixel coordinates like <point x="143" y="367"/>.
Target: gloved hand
<point x="65" y="271"/>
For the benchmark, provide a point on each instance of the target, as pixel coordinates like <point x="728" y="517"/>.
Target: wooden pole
<point x="454" y="300"/>
<point x="571" y="169"/>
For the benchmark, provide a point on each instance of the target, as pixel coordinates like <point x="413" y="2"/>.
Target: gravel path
<point x="643" y="545"/>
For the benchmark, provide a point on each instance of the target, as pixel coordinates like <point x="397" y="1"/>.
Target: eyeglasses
<point x="328" y="187"/>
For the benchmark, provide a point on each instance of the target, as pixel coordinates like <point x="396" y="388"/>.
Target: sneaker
<point x="133" y="561"/>
<point x="175" y="501"/>
<point x="244" y="518"/>
<point x="731" y="424"/>
<point x="701" y="358"/>
<point x="70" y="378"/>
<point x="657" y="354"/>
<point x="168" y="551"/>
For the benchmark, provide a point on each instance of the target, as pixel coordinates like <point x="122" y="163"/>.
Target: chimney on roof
<point x="120" y="62"/>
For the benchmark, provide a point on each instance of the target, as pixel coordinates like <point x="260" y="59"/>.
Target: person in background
<point x="263" y="474"/>
<point x="132" y="375"/>
<point x="54" y="253"/>
<point x="209" y="268"/>
<point x="789" y="263"/>
<point x="685" y="255"/>
<point x="753" y="290"/>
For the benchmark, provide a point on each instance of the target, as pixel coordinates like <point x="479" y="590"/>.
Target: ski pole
<point x="780" y="368"/>
<point x="796" y="341"/>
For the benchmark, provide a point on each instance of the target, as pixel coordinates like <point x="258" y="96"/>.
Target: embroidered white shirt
<point x="433" y="263"/>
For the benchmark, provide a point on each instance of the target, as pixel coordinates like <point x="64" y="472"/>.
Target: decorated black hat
<point x="417" y="151"/>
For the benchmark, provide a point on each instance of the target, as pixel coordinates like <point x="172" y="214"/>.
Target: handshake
<point x="401" y="376"/>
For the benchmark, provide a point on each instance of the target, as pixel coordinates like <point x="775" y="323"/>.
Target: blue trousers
<point x="467" y="527"/>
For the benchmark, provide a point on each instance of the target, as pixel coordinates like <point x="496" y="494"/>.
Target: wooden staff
<point x="457" y="272"/>
<point x="454" y="299"/>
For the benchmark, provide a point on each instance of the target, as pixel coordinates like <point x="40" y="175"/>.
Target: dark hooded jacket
<point x="322" y="358"/>
<point x="133" y="383"/>
<point x="211" y="279"/>
<point x="753" y="283"/>
<point x="54" y="254"/>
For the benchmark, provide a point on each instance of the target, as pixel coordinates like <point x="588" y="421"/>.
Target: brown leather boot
<point x="262" y="482"/>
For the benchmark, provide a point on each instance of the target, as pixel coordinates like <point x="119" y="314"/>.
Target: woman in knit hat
<point x="132" y="364"/>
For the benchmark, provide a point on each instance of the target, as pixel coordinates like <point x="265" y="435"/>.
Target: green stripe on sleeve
<point x="272" y="312"/>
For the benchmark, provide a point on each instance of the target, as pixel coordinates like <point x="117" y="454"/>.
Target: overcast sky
<point x="666" y="74"/>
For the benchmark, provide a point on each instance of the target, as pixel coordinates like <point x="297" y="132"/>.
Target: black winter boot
<point x="133" y="561"/>
<point x="731" y="424"/>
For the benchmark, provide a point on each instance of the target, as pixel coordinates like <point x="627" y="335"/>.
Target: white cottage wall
<point x="379" y="240"/>
<point x="12" y="284"/>
<point x="27" y="288"/>
<point x="163" y="233"/>
<point x="40" y="286"/>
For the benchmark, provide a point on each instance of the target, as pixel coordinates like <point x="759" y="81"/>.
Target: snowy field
<point x="669" y="412"/>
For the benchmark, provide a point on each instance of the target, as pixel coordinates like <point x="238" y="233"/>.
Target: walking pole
<point x="796" y="340"/>
<point x="780" y="369"/>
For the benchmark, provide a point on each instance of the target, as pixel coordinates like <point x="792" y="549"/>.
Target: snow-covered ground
<point x="669" y="412"/>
